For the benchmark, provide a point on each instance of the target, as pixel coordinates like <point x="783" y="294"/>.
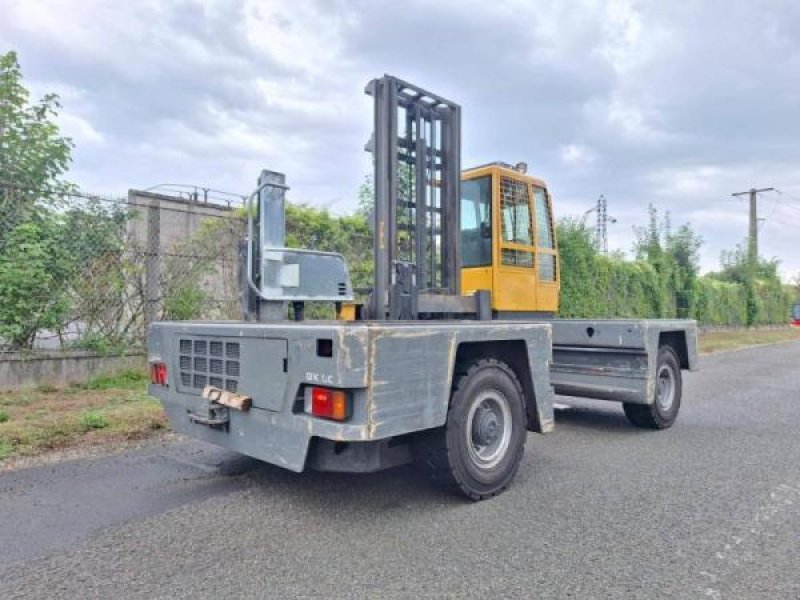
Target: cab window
<point x="516" y="224"/>
<point x="516" y="212"/>
<point x="476" y="222"/>
<point x="544" y="224"/>
<point x="544" y="236"/>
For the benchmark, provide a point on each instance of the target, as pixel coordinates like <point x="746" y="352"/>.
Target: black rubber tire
<point x="444" y="450"/>
<point x="653" y="416"/>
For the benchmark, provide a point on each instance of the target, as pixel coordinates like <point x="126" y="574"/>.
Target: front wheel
<point x="479" y="450"/>
<point x="666" y="401"/>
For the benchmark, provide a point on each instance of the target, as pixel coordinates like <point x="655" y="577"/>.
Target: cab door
<point x="515" y="285"/>
<point x="476" y="233"/>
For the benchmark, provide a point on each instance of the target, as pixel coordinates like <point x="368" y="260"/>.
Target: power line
<point x="782" y="193"/>
<point x="771" y="214"/>
<point x="785" y="205"/>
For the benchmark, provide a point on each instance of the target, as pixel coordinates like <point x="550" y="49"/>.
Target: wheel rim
<point x="488" y="429"/>
<point x="665" y="388"/>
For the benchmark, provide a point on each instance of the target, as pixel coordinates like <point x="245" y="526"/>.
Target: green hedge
<point x="719" y="302"/>
<point x="597" y="286"/>
<point x="618" y="288"/>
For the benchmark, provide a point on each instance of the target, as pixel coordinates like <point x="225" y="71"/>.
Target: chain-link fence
<point x="87" y="272"/>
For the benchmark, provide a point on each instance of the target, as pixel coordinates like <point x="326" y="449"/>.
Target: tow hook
<point x="216" y="417"/>
<point x="217" y="414"/>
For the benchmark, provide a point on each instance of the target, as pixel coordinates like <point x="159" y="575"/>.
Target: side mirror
<point x="486" y="230"/>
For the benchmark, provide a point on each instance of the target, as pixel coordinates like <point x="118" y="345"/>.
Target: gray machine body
<point x="399" y="375"/>
<point x="398" y="364"/>
<point x="615" y="359"/>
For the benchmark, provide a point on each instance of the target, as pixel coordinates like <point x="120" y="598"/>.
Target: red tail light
<point x="158" y="373"/>
<point x="327" y="403"/>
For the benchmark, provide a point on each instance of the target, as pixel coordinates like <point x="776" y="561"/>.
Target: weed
<point x="94" y="420"/>
<point x="3" y="416"/>
<point x="118" y="408"/>
<point x="100" y="345"/>
<point x="128" y="379"/>
<point x="6" y="448"/>
<point x="46" y="388"/>
<point x="15" y="399"/>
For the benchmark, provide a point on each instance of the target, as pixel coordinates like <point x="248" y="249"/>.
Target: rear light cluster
<point x="327" y="403"/>
<point x="158" y="373"/>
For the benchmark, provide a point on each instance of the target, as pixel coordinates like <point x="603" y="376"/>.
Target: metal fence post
<point x="153" y="263"/>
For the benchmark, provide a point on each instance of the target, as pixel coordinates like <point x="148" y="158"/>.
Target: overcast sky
<point x="674" y="103"/>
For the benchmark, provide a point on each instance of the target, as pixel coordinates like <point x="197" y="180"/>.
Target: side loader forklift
<point x="455" y="355"/>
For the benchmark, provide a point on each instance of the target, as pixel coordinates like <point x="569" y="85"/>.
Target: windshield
<point x="476" y="222"/>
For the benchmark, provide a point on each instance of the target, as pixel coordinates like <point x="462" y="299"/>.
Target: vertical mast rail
<point x="425" y="258"/>
<point x="380" y="151"/>
<point x="421" y="207"/>
<point x="450" y="192"/>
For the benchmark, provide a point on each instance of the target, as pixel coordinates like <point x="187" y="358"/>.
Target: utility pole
<point x="752" y="239"/>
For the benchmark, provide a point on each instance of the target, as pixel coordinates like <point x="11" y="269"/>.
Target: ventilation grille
<point x="205" y="363"/>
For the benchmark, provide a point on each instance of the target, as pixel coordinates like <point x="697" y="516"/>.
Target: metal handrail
<point x="248" y="207"/>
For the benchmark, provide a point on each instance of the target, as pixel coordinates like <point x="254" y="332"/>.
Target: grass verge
<point x="716" y="341"/>
<point x="103" y="411"/>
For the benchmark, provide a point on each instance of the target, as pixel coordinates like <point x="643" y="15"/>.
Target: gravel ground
<point x="710" y="508"/>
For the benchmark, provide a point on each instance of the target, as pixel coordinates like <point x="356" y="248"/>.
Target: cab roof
<point x="504" y="169"/>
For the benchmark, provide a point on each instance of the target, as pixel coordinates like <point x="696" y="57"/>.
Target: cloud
<point x="576" y="154"/>
<point x="80" y="130"/>
<point x="678" y="104"/>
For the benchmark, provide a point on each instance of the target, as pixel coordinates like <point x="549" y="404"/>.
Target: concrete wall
<point x="178" y="218"/>
<point x="60" y="369"/>
<point x="165" y="229"/>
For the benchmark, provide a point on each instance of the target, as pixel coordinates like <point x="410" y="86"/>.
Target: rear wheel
<point x="479" y="450"/>
<point x="663" y="411"/>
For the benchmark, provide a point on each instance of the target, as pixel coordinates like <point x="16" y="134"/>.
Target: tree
<point x="33" y="255"/>
<point x="31" y="281"/>
<point x="33" y="154"/>
<point x="683" y="250"/>
<point x="310" y="227"/>
<point x="736" y="266"/>
<point x="366" y="199"/>
<point x="674" y="256"/>
<point x="649" y="240"/>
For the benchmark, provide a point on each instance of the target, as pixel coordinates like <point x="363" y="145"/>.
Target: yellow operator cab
<point x="508" y="240"/>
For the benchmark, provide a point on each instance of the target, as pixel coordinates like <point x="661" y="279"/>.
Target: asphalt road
<point x="708" y="509"/>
